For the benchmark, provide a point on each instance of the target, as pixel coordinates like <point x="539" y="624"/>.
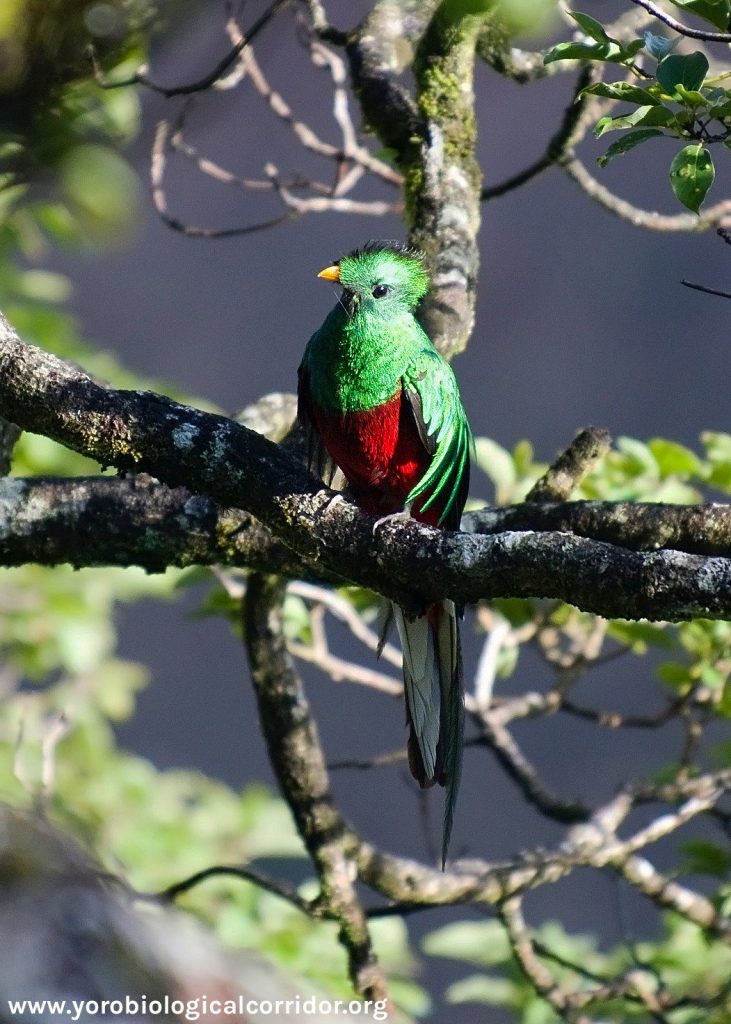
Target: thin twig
<point x="158" y="165"/>
<point x="141" y="77"/>
<point x="706" y="289"/>
<point x="571" y="131"/>
<point x="677" y="26"/>
<point x="709" y="218"/>
<point x="524" y="774"/>
<point x="343" y="610"/>
<point x="171" y="892"/>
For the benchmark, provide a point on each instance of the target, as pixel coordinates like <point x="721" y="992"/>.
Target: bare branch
<point x="511" y="915"/>
<point x="297" y="758"/>
<point x="678" y="26"/>
<point x="158" y="165"/>
<point x="571" y="131"/>
<point x="524" y="774"/>
<point x="617" y="720"/>
<point x="321" y="24"/>
<point x="707" y="290"/>
<point x="572" y="465"/>
<point x="366" y="764"/>
<point x="329" y="204"/>
<point x="171" y="892"/>
<point x="670" y="895"/>
<point x="344" y="611"/>
<point x="341" y="670"/>
<point x="141" y="77"/>
<point x="709" y="218"/>
<point x="350" y="150"/>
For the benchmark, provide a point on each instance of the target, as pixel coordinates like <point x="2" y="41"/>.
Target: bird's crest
<point x="389" y="245"/>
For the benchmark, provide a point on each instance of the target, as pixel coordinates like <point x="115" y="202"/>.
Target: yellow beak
<point x="331" y="273"/>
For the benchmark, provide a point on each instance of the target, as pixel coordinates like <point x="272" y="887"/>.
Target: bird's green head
<point x="380" y="279"/>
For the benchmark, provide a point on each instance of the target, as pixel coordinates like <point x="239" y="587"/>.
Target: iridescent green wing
<point x="431" y="389"/>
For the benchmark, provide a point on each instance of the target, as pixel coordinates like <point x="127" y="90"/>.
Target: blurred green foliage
<point x="681" y="957"/>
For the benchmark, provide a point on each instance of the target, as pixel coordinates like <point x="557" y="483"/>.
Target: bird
<point x="377" y="400"/>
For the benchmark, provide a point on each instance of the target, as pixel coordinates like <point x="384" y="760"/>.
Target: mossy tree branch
<point x="98" y="521"/>
<point x="211" y="455"/>
<point x="432" y="134"/>
<point x="297" y="758"/>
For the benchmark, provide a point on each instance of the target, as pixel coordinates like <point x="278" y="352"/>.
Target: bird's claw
<point x="391" y="518"/>
<point x="335" y="499"/>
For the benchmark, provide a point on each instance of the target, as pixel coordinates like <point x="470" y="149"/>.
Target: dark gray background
<point x="581" y="319"/>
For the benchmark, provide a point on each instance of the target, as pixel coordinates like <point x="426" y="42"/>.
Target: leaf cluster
<point x="671" y="95"/>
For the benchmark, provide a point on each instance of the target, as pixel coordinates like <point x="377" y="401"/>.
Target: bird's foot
<point x="393" y="517"/>
<point x="336" y="499"/>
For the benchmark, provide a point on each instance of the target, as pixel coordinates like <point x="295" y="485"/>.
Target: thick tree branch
<point x="432" y="135"/>
<point x="297" y="758"/>
<point x="378" y="51"/>
<point x="443" y="182"/>
<point x="9" y="434"/>
<point x="209" y="454"/>
<point x="98" y="521"/>
<point x="639" y="526"/>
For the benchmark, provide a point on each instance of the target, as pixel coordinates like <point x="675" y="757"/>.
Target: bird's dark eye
<point x="379" y="291"/>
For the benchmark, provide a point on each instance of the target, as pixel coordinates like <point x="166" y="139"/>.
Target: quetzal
<point x="379" y="401"/>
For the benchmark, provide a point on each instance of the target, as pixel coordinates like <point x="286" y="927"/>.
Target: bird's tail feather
<point x="434" y="701"/>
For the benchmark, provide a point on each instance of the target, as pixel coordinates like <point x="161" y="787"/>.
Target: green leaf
<point x="721" y="105"/>
<point x="722" y="109"/>
<point x="591" y="27"/>
<point x="647" y="115"/>
<point x="498" y="464"/>
<point x="482" y="988"/>
<point x="717" y="12"/>
<point x="639" y="635"/>
<point x="633" y="48"/>
<point x="608" y="51"/>
<point x="44" y="286"/>
<point x="718" y="453"/>
<point x="627" y="142"/>
<point x="102" y="186"/>
<point x="691" y="175"/>
<point x="622" y="91"/>
<point x="691" y="97"/>
<point x="706" y="858"/>
<point x="688" y="70"/>
<point x="674" y="458"/>
<point x="675" y="675"/>
<point x="475" y="942"/>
